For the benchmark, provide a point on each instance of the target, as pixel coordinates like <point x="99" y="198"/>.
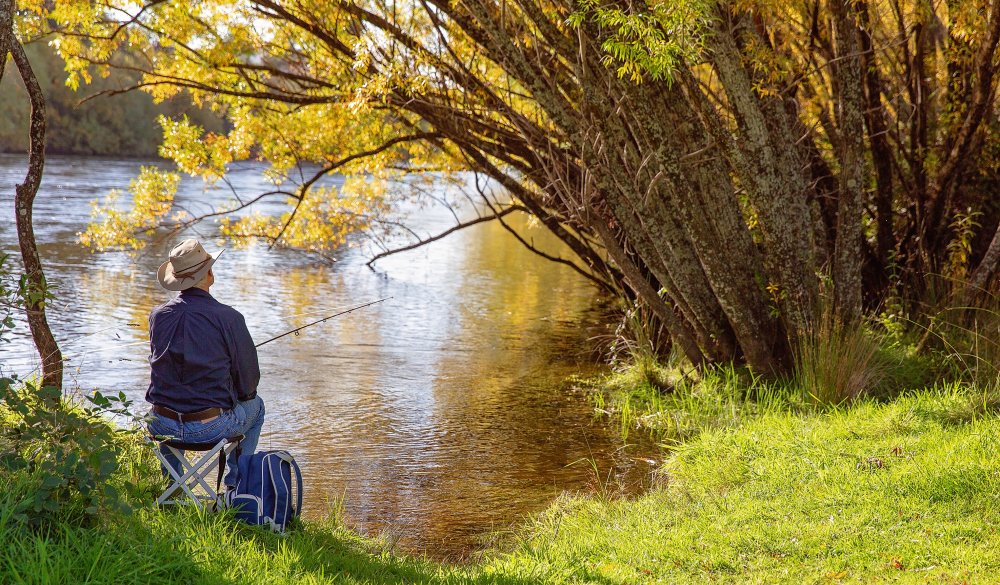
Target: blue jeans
<point x="246" y="419"/>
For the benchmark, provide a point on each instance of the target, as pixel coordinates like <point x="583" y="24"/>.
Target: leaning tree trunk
<point x="35" y="289"/>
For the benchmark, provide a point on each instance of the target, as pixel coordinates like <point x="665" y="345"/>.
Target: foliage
<point x="736" y="156"/>
<point x="65" y="455"/>
<point x="322" y="222"/>
<point x="648" y="44"/>
<point x="959" y="248"/>
<point x="118" y="125"/>
<point x="152" y="198"/>
<point x="10" y="298"/>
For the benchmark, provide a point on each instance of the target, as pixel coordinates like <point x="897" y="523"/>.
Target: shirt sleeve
<point x="244" y="368"/>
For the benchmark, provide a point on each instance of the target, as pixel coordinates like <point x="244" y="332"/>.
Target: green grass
<point x="675" y="405"/>
<point x="184" y="545"/>
<point x="903" y="491"/>
<point x="760" y="487"/>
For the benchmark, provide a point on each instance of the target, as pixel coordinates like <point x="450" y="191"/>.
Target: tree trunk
<point x="35" y="289"/>
<point x="679" y="332"/>
<point x="849" y="102"/>
<point x="768" y="161"/>
<point x="984" y="272"/>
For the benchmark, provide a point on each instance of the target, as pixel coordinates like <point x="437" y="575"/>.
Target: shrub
<point x="67" y="454"/>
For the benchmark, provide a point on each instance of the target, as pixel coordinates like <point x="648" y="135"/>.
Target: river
<point x="434" y="419"/>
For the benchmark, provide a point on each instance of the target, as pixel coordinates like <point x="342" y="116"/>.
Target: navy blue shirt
<point x="201" y="354"/>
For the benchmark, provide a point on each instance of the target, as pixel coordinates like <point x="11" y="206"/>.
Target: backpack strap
<point x="298" y="488"/>
<point x="218" y="482"/>
<point x="287" y="457"/>
<point x="222" y="469"/>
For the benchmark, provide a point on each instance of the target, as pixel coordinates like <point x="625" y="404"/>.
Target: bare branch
<point x="446" y="233"/>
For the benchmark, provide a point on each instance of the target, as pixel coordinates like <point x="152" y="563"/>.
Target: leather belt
<point x="183" y="417"/>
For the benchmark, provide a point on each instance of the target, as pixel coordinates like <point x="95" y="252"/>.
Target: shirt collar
<point x="195" y="292"/>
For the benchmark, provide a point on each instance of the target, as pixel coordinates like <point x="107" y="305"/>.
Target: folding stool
<point x="194" y="471"/>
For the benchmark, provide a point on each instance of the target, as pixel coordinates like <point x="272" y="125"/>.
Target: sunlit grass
<point x="676" y="404"/>
<point x="762" y="485"/>
<point x="767" y="492"/>
<point x="894" y="492"/>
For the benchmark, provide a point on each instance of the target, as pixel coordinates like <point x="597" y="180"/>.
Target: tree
<point x="736" y="166"/>
<point x="124" y="125"/>
<point x="33" y="285"/>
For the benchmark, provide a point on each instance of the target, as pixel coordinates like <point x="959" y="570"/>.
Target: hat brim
<point x="165" y="275"/>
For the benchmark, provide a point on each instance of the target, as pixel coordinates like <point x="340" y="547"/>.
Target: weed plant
<point x="836" y="363"/>
<point x="67" y="454"/>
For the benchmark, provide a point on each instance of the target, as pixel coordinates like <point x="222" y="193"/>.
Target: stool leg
<point x="179" y="478"/>
<point x="193" y="474"/>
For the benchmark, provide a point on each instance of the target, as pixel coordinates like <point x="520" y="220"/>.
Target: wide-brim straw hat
<point x="188" y="264"/>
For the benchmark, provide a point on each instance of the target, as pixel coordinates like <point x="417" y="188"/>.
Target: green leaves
<point x="68" y="454"/>
<point x="647" y="44"/>
<point x="11" y="297"/>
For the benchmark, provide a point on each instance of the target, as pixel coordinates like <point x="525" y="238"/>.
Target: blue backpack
<point x="265" y="488"/>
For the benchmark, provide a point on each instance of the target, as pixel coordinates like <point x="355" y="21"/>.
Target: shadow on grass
<point x="336" y="552"/>
<point x="217" y="549"/>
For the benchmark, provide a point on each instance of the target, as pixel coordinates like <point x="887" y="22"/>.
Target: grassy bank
<point x="67" y="515"/>
<point x="907" y="491"/>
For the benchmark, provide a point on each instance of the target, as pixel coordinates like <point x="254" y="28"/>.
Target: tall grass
<point x="638" y="347"/>
<point x="719" y="397"/>
<point x="968" y="341"/>
<point x="837" y="363"/>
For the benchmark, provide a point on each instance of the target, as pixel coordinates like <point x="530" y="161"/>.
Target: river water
<point x="435" y="418"/>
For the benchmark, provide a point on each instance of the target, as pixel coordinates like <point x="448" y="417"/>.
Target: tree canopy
<point x="743" y="168"/>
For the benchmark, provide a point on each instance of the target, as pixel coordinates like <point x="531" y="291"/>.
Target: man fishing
<point x="204" y="371"/>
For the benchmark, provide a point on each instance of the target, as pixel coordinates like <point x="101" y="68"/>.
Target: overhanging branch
<point x="446" y="233"/>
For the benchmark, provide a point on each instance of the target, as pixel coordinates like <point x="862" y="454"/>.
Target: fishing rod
<point x="66" y="358"/>
<point x="316" y="322"/>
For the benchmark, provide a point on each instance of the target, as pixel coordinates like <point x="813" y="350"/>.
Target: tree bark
<point x="680" y="333"/>
<point x="768" y="161"/>
<point x="6" y="25"/>
<point x="849" y="102"/>
<point x="35" y="289"/>
<point x="985" y="270"/>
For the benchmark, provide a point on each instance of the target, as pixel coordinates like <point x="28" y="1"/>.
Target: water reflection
<point x="437" y="415"/>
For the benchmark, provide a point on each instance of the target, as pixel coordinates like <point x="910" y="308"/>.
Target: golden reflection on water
<point x="438" y="415"/>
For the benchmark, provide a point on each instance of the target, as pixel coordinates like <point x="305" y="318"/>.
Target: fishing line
<point x="318" y="321"/>
<point x="66" y="359"/>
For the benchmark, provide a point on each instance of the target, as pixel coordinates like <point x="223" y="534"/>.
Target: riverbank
<point x="905" y="491"/>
